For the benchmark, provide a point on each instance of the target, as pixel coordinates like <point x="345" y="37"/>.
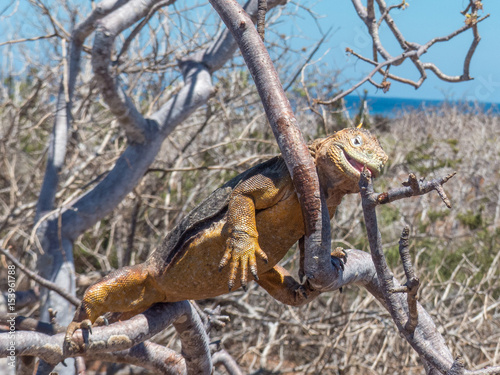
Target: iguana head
<point x="340" y="158"/>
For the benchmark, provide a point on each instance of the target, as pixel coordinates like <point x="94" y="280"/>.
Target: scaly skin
<point x="250" y="224"/>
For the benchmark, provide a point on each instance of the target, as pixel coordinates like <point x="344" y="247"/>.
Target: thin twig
<point x="28" y="39"/>
<point x="414" y="187"/>
<point x="313" y="52"/>
<point x="138" y="28"/>
<point x="261" y="18"/>
<point x="40" y="280"/>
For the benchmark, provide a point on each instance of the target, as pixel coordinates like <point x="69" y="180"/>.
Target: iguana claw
<point x="338" y="258"/>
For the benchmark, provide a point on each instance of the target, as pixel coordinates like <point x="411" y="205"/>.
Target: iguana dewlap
<point x="249" y="223"/>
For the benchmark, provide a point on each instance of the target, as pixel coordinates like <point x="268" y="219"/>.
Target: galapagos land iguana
<point x="250" y="222"/>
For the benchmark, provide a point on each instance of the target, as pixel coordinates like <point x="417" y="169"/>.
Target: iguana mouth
<point x="358" y="166"/>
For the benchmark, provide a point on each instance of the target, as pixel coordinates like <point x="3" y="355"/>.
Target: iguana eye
<point x="357" y="141"/>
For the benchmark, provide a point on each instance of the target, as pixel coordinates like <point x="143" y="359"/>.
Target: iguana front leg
<point x="242" y="246"/>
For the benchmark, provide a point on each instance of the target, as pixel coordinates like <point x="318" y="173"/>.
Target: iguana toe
<point x="253" y="267"/>
<point x="261" y="254"/>
<point x="232" y="275"/>
<point x="225" y="259"/>
<point x="338" y="258"/>
<point x="244" y="275"/>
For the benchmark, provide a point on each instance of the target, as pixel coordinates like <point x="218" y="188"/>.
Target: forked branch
<point x="417" y="328"/>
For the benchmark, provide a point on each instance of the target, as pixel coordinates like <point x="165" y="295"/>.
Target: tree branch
<point x="425" y="339"/>
<point x="318" y="268"/>
<point x="108" y="28"/>
<point x="95" y="204"/>
<point x="411" y="50"/>
<point x="122" y="336"/>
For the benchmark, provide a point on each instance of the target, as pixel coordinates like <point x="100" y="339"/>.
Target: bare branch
<point x="433" y="356"/>
<point x="28" y="39"/>
<point x="138" y="28"/>
<point x="108" y="28"/>
<point x="414" y="187"/>
<point x="411" y="50"/>
<point x="40" y="280"/>
<point x="124" y="335"/>
<point x="58" y="141"/>
<point x="148" y="355"/>
<point x="412" y="282"/>
<point x="224" y="358"/>
<point x="261" y="18"/>
<point x="136" y="159"/>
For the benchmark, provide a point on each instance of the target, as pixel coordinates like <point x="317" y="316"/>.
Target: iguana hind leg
<point x="284" y="288"/>
<point x="127" y="290"/>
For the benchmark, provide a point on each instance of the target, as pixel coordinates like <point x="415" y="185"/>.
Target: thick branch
<point x="122" y="336"/>
<point x="59" y="136"/>
<point x="119" y="104"/>
<point x="151" y="356"/>
<point x="284" y="125"/>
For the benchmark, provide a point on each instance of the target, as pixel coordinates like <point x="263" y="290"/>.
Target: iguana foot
<point x="302" y="292"/>
<point x="241" y="248"/>
<point x="69" y="346"/>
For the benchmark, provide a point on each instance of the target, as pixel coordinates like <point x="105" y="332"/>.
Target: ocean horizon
<point x="395" y="107"/>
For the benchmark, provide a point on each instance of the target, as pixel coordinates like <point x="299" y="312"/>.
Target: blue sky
<point x="421" y="21"/>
